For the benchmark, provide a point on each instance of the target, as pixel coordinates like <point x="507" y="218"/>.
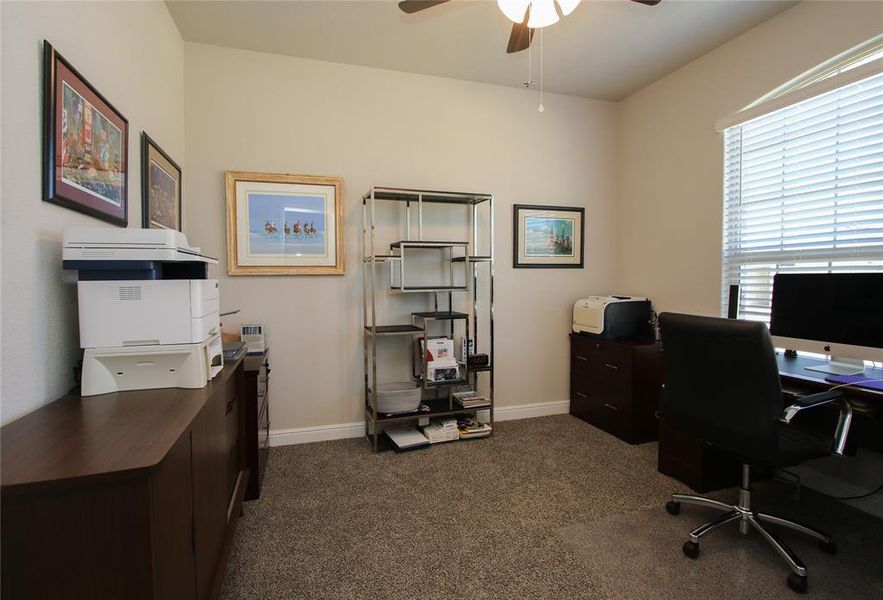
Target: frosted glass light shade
<point x="514" y="9"/>
<point x="542" y="14"/>
<point x="567" y="6"/>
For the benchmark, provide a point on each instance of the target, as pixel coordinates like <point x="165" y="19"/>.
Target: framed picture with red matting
<point x="85" y="144"/>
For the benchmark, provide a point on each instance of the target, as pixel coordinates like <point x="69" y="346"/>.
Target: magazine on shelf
<point x="470" y="399"/>
<point x="440" y="349"/>
<point x="472" y="428"/>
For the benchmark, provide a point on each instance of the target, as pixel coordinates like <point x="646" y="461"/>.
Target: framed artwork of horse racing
<point x="284" y="224"/>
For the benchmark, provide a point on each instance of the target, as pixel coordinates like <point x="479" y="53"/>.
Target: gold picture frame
<point x="284" y="224"/>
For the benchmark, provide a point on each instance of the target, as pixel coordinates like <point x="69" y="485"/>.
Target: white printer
<point x="149" y="316"/>
<point x="612" y="317"/>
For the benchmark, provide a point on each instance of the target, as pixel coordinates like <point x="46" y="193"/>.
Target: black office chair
<point x="722" y="384"/>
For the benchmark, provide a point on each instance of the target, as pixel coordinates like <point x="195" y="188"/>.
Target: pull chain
<point x="541" y="108"/>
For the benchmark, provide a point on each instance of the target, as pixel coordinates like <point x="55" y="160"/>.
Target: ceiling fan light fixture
<point x="567" y="6"/>
<point x="514" y="9"/>
<point x="542" y="14"/>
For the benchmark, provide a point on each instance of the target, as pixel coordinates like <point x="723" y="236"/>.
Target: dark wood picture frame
<point x="58" y="72"/>
<point x="148" y="144"/>
<point x="517" y="263"/>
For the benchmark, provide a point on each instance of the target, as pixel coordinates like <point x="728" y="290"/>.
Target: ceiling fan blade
<point x="520" y="37"/>
<point x="412" y="6"/>
<point x="648" y="2"/>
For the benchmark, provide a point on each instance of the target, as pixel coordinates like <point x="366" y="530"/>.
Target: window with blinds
<point x="803" y="192"/>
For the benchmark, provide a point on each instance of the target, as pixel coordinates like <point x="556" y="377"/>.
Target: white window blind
<point x="803" y="192"/>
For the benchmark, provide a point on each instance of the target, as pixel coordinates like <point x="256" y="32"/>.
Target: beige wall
<point x="132" y="53"/>
<point x="670" y="160"/>
<point x="262" y="112"/>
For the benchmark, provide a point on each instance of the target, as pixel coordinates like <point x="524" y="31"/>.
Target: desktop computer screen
<point x="840" y="314"/>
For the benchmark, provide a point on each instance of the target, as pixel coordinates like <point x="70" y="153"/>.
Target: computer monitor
<point x="838" y="314"/>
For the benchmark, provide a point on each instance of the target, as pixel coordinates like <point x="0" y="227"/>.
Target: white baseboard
<point x="320" y="433"/>
<point x="342" y="431"/>
<point x="529" y="411"/>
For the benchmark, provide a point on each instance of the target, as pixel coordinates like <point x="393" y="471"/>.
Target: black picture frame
<point x="148" y="144"/>
<point x="517" y="263"/>
<point x="100" y="192"/>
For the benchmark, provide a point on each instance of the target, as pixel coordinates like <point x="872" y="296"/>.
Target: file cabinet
<point x="616" y="385"/>
<point x="257" y="420"/>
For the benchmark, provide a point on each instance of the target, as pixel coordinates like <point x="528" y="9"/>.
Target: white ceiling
<point x="605" y="49"/>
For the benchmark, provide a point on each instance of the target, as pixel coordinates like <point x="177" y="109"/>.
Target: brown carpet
<point x="547" y="508"/>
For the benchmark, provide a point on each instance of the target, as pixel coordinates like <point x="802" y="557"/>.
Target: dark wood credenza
<point x="615" y="385"/>
<point x="125" y="495"/>
<point x="257" y="420"/>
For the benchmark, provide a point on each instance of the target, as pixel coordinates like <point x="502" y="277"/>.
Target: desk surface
<point x="78" y="436"/>
<point x="793" y="371"/>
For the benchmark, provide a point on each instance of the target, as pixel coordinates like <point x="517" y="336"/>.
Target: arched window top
<point x="858" y="63"/>
<point x="855" y="57"/>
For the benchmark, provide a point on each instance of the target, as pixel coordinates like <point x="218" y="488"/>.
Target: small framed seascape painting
<point x="85" y="144"/>
<point x="160" y="187"/>
<point x="548" y="236"/>
<point x="284" y="224"/>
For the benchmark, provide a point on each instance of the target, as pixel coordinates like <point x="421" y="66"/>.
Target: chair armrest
<point x="820" y="399"/>
<point x="810" y="401"/>
<point x="817" y="399"/>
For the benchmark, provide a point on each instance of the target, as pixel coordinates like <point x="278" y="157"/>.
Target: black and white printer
<point x="149" y="315"/>
<point x="612" y="317"/>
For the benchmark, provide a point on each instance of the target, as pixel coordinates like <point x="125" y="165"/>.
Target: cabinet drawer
<point x="585" y="345"/>
<point x="232" y="443"/>
<point x="263" y="444"/>
<point x="601" y="393"/>
<point x="262" y="404"/>
<point x="264" y="416"/>
<point x="612" y="364"/>
<point x="602" y="361"/>
<point x="232" y="471"/>
<point x="596" y="409"/>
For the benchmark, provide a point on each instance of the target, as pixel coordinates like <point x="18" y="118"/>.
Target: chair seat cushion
<point x="798" y="444"/>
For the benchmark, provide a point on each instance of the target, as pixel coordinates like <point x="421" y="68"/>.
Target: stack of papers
<point x="407" y="438"/>
<point x="442" y="431"/>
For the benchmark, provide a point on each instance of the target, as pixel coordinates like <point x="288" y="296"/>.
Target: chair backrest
<point x="722" y="382"/>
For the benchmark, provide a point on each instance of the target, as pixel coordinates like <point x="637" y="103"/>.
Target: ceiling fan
<point x="519" y="12"/>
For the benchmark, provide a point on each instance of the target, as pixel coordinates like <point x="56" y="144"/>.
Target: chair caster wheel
<point x="828" y="547"/>
<point x="691" y="549"/>
<point x="672" y="507"/>
<point x="797" y="583"/>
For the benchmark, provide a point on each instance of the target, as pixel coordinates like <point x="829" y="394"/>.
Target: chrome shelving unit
<point x="478" y="269"/>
